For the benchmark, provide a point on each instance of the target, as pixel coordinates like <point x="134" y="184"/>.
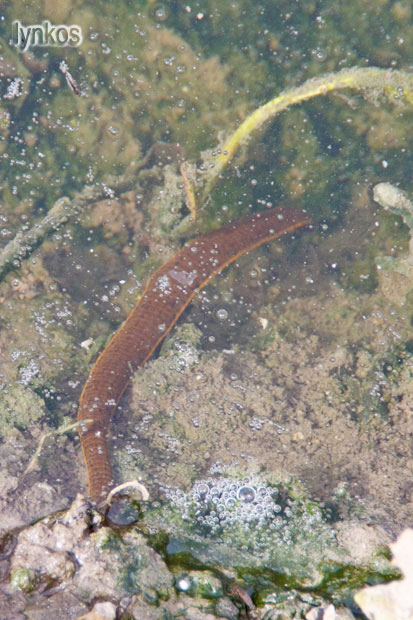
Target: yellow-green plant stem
<point x="396" y="86"/>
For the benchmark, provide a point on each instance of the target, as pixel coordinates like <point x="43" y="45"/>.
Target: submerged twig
<point x="189" y="190"/>
<point x="64" y="209"/>
<point x="25" y="241"/>
<point x="395" y="85"/>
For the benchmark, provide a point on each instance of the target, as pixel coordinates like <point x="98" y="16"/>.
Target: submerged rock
<point x="234" y="522"/>
<point x="71" y="551"/>
<point x="73" y="565"/>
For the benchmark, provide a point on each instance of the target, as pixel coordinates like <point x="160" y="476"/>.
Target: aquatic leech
<point x="168" y="292"/>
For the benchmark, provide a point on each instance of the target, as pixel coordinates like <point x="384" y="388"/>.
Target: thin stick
<point x="58" y="431"/>
<point x="26" y="241"/>
<point x="190" y="192"/>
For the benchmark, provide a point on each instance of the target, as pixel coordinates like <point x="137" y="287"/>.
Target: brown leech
<point x="168" y="292"/>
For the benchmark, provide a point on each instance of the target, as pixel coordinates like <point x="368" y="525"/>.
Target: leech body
<point x="168" y="292"/>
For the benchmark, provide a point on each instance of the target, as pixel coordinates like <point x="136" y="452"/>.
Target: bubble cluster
<point x="248" y="511"/>
<point x="234" y="519"/>
<point x="217" y="504"/>
<point x="185" y="356"/>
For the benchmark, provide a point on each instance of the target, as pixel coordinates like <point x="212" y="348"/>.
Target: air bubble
<point x="202" y="489"/>
<point x="161" y="13"/>
<point x="246" y="494"/>
<point x="319" y="54"/>
<point x="222" y="314"/>
<point x="183" y="583"/>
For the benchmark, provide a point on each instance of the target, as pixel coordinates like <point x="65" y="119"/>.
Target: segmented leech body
<point x="168" y="292"/>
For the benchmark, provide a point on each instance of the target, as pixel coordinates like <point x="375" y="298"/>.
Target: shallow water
<point x="296" y="361"/>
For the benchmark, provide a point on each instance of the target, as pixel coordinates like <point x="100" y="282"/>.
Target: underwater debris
<point x="395" y="200"/>
<point x="26" y="241"/>
<point x="69" y="78"/>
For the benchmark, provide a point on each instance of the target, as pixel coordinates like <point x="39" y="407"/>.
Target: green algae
<point x="215" y="521"/>
<point x="136" y="566"/>
<point x="20" y="408"/>
<point x="210" y="537"/>
<point x="23" y="579"/>
<point x="200" y="583"/>
<point x="102" y="132"/>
